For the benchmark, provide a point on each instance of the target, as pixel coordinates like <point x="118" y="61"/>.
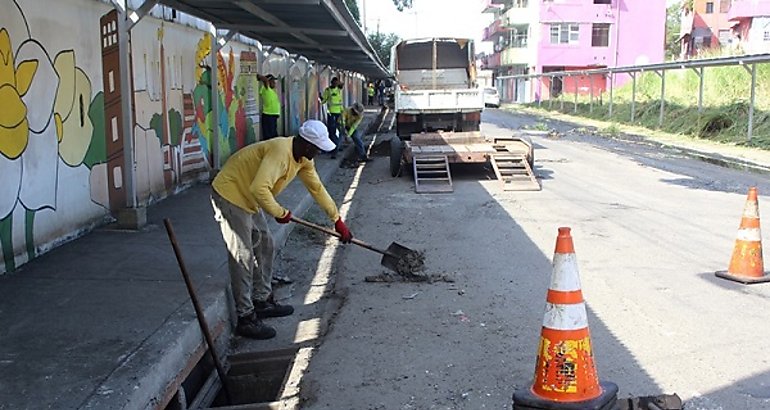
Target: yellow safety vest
<point x="371" y="91"/>
<point x="333" y="99"/>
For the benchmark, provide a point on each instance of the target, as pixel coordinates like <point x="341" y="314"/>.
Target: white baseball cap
<point x="315" y="132"/>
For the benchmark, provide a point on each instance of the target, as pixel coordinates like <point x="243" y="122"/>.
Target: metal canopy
<point x="321" y="30"/>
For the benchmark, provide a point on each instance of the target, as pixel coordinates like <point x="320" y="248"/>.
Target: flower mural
<point x="235" y="129"/>
<point x="44" y="118"/>
<point x="14" y="84"/>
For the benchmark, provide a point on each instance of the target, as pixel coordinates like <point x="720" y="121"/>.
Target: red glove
<point x="284" y="219"/>
<point x="343" y="230"/>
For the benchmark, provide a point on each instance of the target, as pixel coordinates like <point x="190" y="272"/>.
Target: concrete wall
<point x="61" y="150"/>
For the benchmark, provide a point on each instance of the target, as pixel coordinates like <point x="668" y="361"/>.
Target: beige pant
<point x="250" y="252"/>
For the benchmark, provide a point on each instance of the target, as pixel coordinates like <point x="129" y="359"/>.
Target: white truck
<point x="436" y="86"/>
<point x="438" y="116"/>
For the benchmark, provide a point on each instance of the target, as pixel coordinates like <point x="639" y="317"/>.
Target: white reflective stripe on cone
<point x="751" y="210"/>
<point x="565" y="317"/>
<point x="565" y="274"/>
<point x="749" y="234"/>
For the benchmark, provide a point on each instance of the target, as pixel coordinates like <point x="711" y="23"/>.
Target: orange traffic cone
<point x="746" y="265"/>
<point x="565" y="373"/>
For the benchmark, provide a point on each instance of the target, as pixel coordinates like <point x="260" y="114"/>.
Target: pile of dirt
<point x="411" y="263"/>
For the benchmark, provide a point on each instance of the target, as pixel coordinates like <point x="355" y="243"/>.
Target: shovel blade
<point x="401" y="259"/>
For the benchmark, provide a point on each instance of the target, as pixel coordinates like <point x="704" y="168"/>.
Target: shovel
<point x="397" y="258"/>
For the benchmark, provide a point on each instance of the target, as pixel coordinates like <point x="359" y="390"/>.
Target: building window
<point x="724" y="37"/>
<point x="565" y="33"/>
<point x="600" y="35"/>
<point x="602" y="1"/>
<point x="709" y="7"/>
<point x="724" y="5"/>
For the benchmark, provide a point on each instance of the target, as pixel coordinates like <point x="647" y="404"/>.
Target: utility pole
<point x="363" y="15"/>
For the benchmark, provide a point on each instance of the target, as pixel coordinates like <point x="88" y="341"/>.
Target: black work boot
<point x="250" y="326"/>
<point x="270" y="308"/>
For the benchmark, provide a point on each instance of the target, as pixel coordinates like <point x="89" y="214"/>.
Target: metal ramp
<point x="431" y="174"/>
<point x="514" y="171"/>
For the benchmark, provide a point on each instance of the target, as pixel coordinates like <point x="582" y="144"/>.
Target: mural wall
<point x="62" y="159"/>
<point x="51" y="125"/>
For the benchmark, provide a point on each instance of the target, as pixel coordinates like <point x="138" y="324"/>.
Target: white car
<point x="491" y="97"/>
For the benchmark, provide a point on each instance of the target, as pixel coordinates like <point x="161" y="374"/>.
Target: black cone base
<point x="524" y="399"/>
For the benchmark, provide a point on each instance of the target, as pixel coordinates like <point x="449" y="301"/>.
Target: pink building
<point x="540" y="36"/>
<point x="750" y="20"/>
<point x="705" y="26"/>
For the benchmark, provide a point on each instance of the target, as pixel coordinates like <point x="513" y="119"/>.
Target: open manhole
<point x="256" y="382"/>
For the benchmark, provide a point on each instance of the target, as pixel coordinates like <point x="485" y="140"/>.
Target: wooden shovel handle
<point x="336" y="234"/>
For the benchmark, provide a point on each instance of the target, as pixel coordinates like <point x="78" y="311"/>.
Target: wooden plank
<point x="437" y="138"/>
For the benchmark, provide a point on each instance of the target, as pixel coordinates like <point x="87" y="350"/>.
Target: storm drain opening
<point x="256" y="381"/>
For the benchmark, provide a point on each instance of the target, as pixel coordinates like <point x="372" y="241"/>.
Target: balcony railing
<point x="494" y="28"/>
<point x="519" y="15"/>
<point x="491" y="61"/>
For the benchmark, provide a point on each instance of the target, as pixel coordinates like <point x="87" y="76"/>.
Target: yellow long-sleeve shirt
<point x="350" y="121"/>
<point x="255" y="175"/>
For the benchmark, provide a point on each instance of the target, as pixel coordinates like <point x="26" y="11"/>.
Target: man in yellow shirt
<point x="243" y="191"/>
<point x="332" y="97"/>
<point x="271" y="106"/>
<point x="370" y="92"/>
<point x="351" y="119"/>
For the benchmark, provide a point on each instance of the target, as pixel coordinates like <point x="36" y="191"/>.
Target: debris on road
<point x="387" y="277"/>
<point x="410" y="297"/>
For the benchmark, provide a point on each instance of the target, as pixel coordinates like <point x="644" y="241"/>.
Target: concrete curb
<point x="705" y="156"/>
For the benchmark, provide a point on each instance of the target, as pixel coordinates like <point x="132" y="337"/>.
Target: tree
<point x="382" y="43"/>
<point x="353" y="7"/>
<point x="403" y="4"/>
<point x="673" y="27"/>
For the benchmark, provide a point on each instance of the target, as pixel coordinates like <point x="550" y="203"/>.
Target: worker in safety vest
<point x="243" y="192"/>
<point x="370" y="92"/>
<point x="351" y="119"/>
<point x="332" y="97"/>
<point x="271" y="106"/>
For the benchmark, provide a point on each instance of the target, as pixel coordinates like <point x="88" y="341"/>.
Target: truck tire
<point x="396" y="153"/>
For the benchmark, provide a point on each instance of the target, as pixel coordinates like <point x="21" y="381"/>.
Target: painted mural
<point x="62" y="156"/>
<point x="237" y="90"/>
<point x="51" y="135"/>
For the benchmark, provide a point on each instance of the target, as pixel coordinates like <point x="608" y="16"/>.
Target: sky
<point x="432" y="18"/>
<point x="428" y="18"/>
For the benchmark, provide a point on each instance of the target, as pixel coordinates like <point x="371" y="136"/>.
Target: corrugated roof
<point x="321" y="30"/>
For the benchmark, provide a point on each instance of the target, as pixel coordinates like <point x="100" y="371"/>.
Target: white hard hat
<point x="315" y="132"/>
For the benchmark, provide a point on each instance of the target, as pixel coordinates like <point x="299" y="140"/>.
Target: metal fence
<point x="748" y="62"/>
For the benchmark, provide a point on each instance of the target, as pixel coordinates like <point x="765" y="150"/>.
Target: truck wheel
<point x="396" y="153"/>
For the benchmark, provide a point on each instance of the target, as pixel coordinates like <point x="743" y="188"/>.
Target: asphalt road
<point x="650" y="228"/>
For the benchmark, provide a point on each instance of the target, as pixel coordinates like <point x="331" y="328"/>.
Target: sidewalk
<point x="105" y="321"/>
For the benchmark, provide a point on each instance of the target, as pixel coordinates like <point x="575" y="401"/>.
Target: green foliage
<point x="401" y="5"/>
<point x="97" y="150"/>
<point x="673" y="27"/>
<point x="175" y="126"/>
<point x="156" y="123"/>
<point x="382" y="43"/>
<point x="540" y="126"/>
<point x="611" y="131"/>
<point x="353" y="7"/>
<point x="724" y="117"/>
